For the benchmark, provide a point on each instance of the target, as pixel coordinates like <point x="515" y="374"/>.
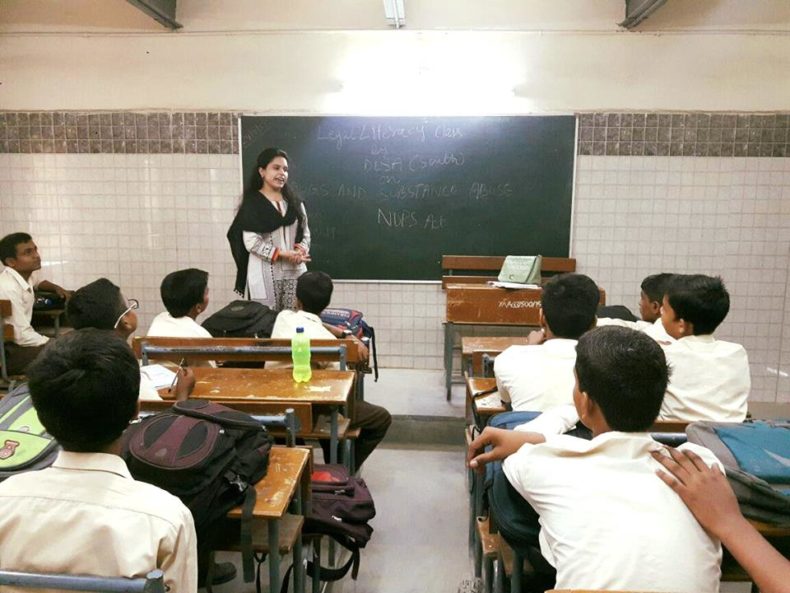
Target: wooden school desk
<point x="268" y="390"/>
<point x="274" y="530"/>
<point x="492" y="345"/>
<point x="483" y="407"/>
<point x="481" y="304"/>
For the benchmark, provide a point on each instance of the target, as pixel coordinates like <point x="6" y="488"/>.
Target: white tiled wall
<point x="723" y="216"/>
<point x="134" y="218"/>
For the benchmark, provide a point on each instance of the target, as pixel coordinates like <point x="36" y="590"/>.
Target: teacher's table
<point x="269" y="391"/>
<point x="287" y="478"/>
<point x="481" y="304"/>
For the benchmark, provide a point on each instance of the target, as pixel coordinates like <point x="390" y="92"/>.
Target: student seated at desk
<point x="86" y="514"/>
<point x="18" y="282"/>
<point x="313" y="294"/>
<point x="650" y="299"/>
<point x="606" y="520"/>
<point x="539" y="376"/>
<point x="710" y="378"/>
<point x="185" y="296"/>
<point x="101" y="305"/>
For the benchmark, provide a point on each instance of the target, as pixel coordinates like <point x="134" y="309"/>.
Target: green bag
<point x="24" y="443"/>
<point x="521" y="269"/>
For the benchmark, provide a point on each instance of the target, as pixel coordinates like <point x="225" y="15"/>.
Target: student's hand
<point x="536" y="337"/>
<point x="184" y="384"/>
<point x="364" y="353"/>
<point x="703" y="489"/>
<point x="503" y="443"/>
<point x="63" y="293"/>
<point x="335" y="330"/>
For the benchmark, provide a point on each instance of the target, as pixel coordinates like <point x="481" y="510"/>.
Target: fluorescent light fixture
<point x="395" y="13"/>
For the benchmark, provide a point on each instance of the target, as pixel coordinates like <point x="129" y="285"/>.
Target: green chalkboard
<point x="386" y="197"/>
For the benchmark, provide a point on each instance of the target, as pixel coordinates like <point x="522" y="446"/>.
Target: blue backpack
<point x="756" y="458"/>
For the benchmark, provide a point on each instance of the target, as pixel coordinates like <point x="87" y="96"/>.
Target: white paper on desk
<point x="514" y="285"/>
<point x="158" y="375"/>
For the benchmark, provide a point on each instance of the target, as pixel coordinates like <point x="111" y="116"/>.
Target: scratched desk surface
<point x="325" y="387"/>
<point x="277" y="488"/>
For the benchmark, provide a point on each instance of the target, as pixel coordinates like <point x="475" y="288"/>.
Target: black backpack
<point x="341" y="508"/>
<point x="241" y="319"/>
<point x="207" y="455"/>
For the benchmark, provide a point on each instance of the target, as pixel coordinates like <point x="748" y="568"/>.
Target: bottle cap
<point x="299" y="330"/>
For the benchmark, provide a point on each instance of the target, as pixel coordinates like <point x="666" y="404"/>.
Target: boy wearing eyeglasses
<point x="101" y="305"/>
<point x="18" y="281"/>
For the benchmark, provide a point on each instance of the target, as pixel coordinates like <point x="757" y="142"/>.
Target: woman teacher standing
<point x="269" y="238"/>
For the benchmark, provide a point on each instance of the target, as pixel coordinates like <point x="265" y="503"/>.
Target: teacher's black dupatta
<point x="257" y="215"/>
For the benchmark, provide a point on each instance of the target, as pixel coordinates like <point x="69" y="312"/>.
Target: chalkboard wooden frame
<point x="386" y="197"/>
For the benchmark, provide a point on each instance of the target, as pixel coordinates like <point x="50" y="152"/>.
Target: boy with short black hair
<point x="313" y="294"/>
<point x="101" y="305"/>
<point x="606" y="520"/>
<point x="540" y="375"/>
<point x="710" y="377"/>
<point x="85" y="514"/>
<point x="18" y="282"/>
<point x="650" y="298"/>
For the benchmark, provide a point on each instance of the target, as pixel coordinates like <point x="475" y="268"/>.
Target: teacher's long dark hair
<point x="257" y="215"/>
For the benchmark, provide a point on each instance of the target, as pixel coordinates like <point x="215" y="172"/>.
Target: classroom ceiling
<point x="119" y="16"/>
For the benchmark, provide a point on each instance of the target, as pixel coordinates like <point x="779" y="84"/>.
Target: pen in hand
<point x="175" y="379"/>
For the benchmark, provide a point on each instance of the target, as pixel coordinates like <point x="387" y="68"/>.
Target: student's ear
<point x="542" y="320"/>
<point x="655" y="308"/>
<point x="686" y="328"/>
<point x="585" y="406"/>
<point x="126" y="327"/>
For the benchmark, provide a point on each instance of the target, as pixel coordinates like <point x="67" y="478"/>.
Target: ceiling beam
<point x="638" y="10"/>
<point x="162" y="11"/>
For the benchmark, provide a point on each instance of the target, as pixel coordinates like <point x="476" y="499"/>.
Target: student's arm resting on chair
<point x="706" y="493"/>
<point x="503" y="443"/>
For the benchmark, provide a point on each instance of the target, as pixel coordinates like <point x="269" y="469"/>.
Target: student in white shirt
<point x="18" y="281"/>
<point x="710" y="378"/>
<point x="101" y="305"/>
<point x="313" y="294"/>
<point x="185" y="296"/>
<point x="650" y="299"/>
<point x="539" y="376"/>
<point x="606" y="520"/>
<point x="86" y="514"/>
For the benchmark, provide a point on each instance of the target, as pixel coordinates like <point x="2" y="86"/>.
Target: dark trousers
<point x="373" y="422"/>
<point x="18" y="358"/>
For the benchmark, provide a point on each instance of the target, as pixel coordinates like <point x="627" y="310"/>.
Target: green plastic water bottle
<point x="300" y="354"/>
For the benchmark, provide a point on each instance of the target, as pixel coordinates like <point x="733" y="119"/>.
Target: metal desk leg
<point x="518" y="572"/>
<point x="298" y="555"/>
<point x="333" y="430"/>
<point x="274" y="555"/>
<point x="449" y="337"/>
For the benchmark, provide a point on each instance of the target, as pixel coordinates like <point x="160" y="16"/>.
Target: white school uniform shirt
<point x="87" y="515"/>
<point x="608" y="522"/>
<point x="709" y="380"/>
<point x="655" y="330"/>
<point x="166" y="326"/>
<point x="537" y="377"/>
<point x="285" y="328"/>
<point x="20" y="292"/>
